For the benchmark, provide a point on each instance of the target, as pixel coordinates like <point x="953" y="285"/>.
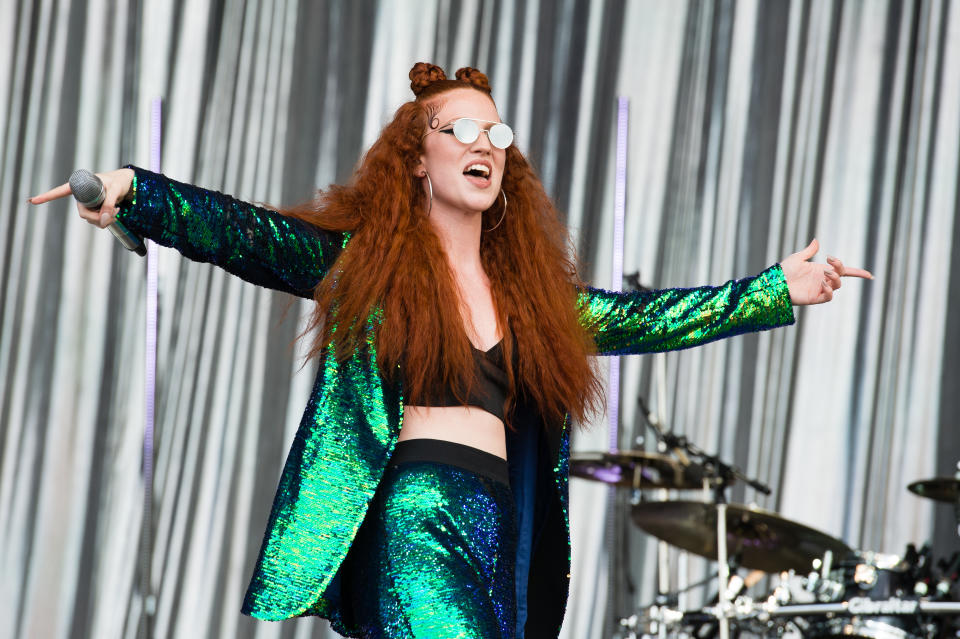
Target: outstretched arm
<point x="677" y="318"/>
<point x="257" y="244"/>
<point x="673" y="319"/>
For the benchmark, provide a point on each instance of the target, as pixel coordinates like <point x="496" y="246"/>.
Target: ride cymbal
<point x="759" y="539"/>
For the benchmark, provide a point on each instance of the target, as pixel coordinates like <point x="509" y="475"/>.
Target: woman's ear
<point x="419" y="170"/>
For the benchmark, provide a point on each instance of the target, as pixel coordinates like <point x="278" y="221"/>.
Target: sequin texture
<point x="434" y="557"/>
<point x="350" y="426"/>
<point x="678" y="318"/>
<point x="256" y="244"/>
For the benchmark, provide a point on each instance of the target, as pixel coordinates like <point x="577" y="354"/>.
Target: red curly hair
<point x="394" y="262"/>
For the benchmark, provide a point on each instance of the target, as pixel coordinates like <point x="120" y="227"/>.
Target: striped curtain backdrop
<point x="754" y="127"/>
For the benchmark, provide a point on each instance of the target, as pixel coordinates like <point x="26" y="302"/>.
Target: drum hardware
<point x="670" y="599"/>
<point x="819" y="583"/>
<point x="654" y="620"/>
<point x="847" y="594"/>
<point x="738" y="608"/>
<point x="715" y="472"/>
<point x="781" y="594"/>
<point x="640" y="470"/>
<point x="757" y="539"/>
<point x="869" y="595"/>
<point x="717" y="475"/>
<point x="658" y="619"/>
<point x="874" y="596"/>
<point x="859" y="617"/>
<point x="861" y="605"/>
<point x="949" y="576"/>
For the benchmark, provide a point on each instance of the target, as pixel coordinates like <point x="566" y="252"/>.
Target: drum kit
<point x="819" y="588"/>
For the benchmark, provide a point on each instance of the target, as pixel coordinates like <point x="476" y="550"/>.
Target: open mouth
<point x="478" y="172"/>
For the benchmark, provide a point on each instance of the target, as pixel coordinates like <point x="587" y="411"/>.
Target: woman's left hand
<point x="812" y="283"/>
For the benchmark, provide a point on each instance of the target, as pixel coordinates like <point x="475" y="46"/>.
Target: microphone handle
<point x="130" y="241"/>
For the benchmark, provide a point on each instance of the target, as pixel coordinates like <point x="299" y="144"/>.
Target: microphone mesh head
<point x="87" y="188"/>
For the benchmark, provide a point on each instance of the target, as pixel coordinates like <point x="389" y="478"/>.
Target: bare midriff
<point x="465" y="425"/>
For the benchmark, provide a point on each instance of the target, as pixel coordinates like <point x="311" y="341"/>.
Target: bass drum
<point x="877" y="592"/>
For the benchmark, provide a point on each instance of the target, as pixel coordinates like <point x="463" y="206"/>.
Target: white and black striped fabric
<point x="754" y="127"/>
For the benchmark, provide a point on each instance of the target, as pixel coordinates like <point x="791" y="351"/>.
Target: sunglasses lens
<point x="501" y="136"/>
<point x="466" y="130"/>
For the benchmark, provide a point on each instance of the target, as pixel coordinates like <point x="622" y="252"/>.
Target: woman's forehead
<point x="467" y="103"/>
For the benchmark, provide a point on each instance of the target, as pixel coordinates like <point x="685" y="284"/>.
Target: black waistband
<point x="443" y="452"/>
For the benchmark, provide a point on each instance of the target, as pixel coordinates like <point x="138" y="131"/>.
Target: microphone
<point x="88" y="191"/>
<point x="669" y="440"/>
<point x="633" y="281"/>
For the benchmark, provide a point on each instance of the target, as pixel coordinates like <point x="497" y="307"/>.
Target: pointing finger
<point x="857" y="272"/>
<point x="53" y="194"/>
<point x="846" y="271"/>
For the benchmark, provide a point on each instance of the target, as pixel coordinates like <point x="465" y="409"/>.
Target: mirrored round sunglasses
<point x="467" y="130"/>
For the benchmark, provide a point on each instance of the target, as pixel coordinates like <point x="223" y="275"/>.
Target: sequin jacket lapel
<point x="352" y="419"/>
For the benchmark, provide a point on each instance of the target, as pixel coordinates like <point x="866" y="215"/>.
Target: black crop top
<point x="489" y="391"/>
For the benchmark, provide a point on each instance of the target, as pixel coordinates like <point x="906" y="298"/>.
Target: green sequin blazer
<point x="353" y="417"/>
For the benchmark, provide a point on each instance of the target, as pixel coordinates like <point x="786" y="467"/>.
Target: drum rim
<point x="871" y="627"/>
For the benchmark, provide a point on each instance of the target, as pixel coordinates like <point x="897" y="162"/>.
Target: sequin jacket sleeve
<point x="672" y="319"/>
<point x="256" y="244"/>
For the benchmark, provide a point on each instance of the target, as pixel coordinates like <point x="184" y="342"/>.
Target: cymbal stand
<point x="956" y="502"/>
<point x="719" y="475"/>
<point x="663" y="582"/>
<point x="956" y="513"/>
<point x="714" y="470"/>
<point x="723" y="568"/>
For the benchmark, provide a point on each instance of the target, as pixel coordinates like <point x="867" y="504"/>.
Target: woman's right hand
<point x="116" y="185"/>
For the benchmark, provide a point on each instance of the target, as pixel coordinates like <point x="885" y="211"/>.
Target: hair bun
<point x="474" y="77"/>
<point x="423" y="74"/>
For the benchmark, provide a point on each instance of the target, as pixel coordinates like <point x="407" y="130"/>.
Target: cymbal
<point x="635" y="469"/>
<point x="939" y="488"/>
<point x="761" y="540"/>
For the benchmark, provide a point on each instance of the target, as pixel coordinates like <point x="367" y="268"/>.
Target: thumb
<point x="810" y="250"/>
<point x="106" y="218"/>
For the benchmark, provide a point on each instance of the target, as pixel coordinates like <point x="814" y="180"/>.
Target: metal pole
<point x="723" y="571"/>
<point x="149" y="600"/>
<point x="614" y="567"/>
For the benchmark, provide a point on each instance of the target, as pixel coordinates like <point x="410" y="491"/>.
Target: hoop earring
<point x="502" y="215"/>
<point x="430" y="191"/>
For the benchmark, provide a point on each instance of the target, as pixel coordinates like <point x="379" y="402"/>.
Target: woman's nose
<point x="482" y="143"/>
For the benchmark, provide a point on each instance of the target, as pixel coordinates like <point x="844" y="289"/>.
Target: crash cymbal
<point x="940" y="488"/>
<point x="761" y="540"/>
<point x="635" y="469"/>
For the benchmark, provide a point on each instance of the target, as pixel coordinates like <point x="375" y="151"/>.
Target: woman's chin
<point x="482" y="205"/>
<point x="468" y="206"/>
<point x="471" y="209"/>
